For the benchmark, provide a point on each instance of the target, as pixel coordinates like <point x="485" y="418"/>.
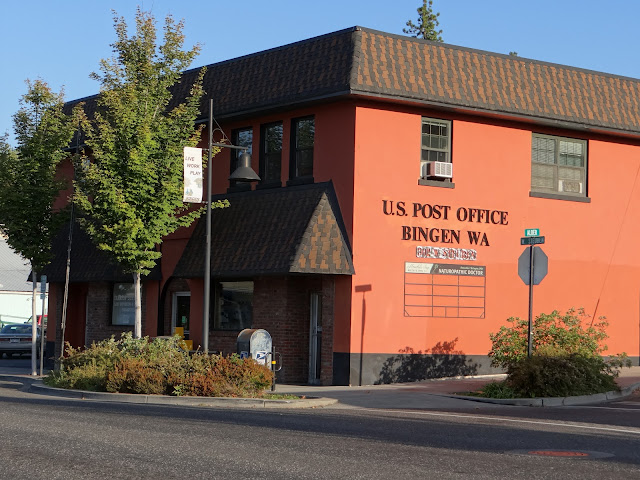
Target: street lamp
<point x="244" y="173"/>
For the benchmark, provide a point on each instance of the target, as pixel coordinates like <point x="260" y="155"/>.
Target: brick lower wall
<point x="281" y="305"/>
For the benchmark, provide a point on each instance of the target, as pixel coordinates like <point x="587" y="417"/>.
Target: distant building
<point x="15" y="290"/>
<point x="398" y="177"/>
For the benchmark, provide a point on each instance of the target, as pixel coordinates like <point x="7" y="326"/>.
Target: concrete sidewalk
<point x="448" y="393"/>
<point x="428" y="394"/>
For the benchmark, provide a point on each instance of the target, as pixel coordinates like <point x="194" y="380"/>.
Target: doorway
<point x="315" y="339"/>
<point x="180" y="307"/>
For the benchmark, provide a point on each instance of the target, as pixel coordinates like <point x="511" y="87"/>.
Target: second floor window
<point x="271" y="153"/>
<point x="435" y="159"/>
<point x="302" y="141"/>
<point x="242" y="137"/>
<point x="558" y="165"/>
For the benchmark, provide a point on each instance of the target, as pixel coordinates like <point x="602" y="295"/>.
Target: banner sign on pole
<point x="192" y="175"/>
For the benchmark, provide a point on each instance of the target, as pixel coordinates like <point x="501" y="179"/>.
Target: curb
<point x="556" y="401"/>
<point x="35" y="386"/>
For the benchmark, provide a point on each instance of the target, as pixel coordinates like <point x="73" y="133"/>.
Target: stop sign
<point x="540" y="265"/>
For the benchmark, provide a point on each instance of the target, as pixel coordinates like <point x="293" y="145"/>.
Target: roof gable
<point x="272" y="232"/>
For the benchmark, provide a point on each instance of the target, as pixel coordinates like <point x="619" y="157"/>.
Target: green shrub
<point x="135" y="375"/>
<point x="554" y="335"/>
<point x="89" y="376"/>
<point x="160" y="366"/>
<point x="498" y="390"/>
<point x="218" y="376"/>
<point x="566" y="357"/>
<point x="543" y="376"/>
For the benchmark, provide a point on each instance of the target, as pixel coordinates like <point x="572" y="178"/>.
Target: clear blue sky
<point x="62" y="41"/>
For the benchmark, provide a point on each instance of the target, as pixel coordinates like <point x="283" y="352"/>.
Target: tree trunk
<point x="137" y="289"/>
<point x="34" y="322"/>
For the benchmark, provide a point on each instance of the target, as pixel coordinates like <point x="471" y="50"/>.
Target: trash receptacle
<point x="254" y="343"/>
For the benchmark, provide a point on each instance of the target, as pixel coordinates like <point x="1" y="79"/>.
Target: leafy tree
<point x="28" y="184"/>
<point x="427" y="23"/>
<point x="130" y="189"/>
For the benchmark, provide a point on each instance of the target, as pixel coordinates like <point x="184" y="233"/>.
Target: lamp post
<point x="244" y="173"/>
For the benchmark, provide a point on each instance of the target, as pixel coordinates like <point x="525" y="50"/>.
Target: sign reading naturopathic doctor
<point x="444" y="290"/>
<point x="473" y="237"/>
<point x="192" y="175"/>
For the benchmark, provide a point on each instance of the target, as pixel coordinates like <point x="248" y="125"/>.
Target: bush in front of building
<point x="159" y="367"/>
<point x="565" y="376"/>
<point x="554" y="334"/>
<point x="566" y="357"/>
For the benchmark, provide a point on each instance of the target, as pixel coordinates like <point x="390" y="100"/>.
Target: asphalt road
<point x="53" y="438"/>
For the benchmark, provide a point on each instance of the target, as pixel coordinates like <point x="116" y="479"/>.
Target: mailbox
<point x="255" y="343"/>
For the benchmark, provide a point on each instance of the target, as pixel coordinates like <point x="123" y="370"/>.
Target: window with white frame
<point x="558" y="165"/>
<point x="435" y="159"/>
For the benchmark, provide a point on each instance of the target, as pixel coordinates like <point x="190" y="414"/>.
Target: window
<point x="435" y="159"/>
<point x="234" y="305"/>
<point x="302" y="140"/>
<point x="558" y="165"/>
<point x="123" y="308"/>
<point x="242" y="137"/>
<point x="271" y="153"/>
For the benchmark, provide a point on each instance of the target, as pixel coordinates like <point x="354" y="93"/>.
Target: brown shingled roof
<point x="444" y="75"/>
<point x="88" y="264"/>
<point x="364" y="62"/>
<point x="272" y="231"/>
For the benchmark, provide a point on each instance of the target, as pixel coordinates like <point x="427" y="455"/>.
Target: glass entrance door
<point x="315" y="339"/>
<point x="180" y="312"/>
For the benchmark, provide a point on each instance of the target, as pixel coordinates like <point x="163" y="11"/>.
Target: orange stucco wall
<point x="592" y="259"/>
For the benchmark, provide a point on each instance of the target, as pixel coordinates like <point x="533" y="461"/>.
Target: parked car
<point x="39" y="320"/>
<point x="16" y="339"/>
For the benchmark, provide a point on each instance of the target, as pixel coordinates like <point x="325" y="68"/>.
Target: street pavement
<point x="428" y="394"/>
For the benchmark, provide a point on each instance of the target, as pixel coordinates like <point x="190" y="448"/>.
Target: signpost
<point x="43" y="292"/>
<point x="533" y="265"/>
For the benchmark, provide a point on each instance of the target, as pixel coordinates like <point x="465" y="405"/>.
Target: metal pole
<point x="43" y="291"/>
<point x="207" y="254"/>
<point x="34" y="322"/>
<point x="530" y="334"/>
<point x="273" y="367"/>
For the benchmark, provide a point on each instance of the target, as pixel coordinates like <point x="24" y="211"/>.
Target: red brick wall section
<point x="328" y="289"/>
<point x="281" y="306"/>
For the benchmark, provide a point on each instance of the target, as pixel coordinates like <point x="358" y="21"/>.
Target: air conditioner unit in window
<point x="570" y="186"/>
<point x="437" y="170"/>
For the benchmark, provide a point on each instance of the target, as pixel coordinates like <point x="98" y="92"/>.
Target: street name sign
<point x="531" y="240"/>
<point x="532" y="232"/>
